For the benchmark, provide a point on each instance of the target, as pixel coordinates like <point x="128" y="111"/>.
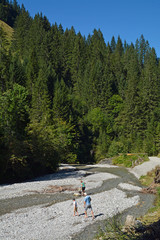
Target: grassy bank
<point x="130" y="159"/>
<point x="153" y="214"/>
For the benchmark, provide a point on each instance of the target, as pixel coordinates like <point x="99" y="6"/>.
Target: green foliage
<point x="97" y="119"/>
<point x="129" y="160"/>
<point x="9" y="11"/>
<point x="115" y="148"/>
<point x="14" y="112"/>
<point x="43" y="147"/>
<point x="61" y="102"/>
<point x="114" y="231"/>
<point x="102" y="145"/>
<point x="9" y="32"/>
<point x="68" y="98"/>
<point x="101" y="126"/>
<point x="147" y="179"/>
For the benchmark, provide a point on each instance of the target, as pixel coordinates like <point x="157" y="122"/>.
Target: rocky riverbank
<point x="53" y="217"/>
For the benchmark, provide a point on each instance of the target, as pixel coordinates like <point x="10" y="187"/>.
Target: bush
<point x="130" y="160"/>
<point x="113" y="231"/>
<point x="116" y="148"/>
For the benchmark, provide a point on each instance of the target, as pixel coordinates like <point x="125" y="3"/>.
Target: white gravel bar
<point x="56" y="222"/>
<point x="144" y="168"/>
<point x="57" y="179"/>
<point x="102" y="166"/>
<point x="129" y="187"/>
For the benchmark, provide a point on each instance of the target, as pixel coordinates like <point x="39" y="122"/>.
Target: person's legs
<point x="92" y="214"/>
<point x="85" y="211"/>
<point x="74" y="212"/>
<point x="85" y="214"/>
<point x="77" y="211"/>
<point x="83" y="191"/>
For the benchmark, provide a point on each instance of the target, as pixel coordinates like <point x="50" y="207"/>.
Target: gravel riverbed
<point x="36" y="215"/>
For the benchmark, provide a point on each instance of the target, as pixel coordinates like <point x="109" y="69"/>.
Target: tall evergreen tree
<point x="78" y="63"/>
<point x="150" y="84"/>
<point x="21" y="29"/>
<point x="32" y="70"/>
<point x="117" y="67"/>
<point x="4" y="61"/>
<point x="16" y="71"/>
<point x="132" y="93"/>
<point x="113" y="44"/>
<point x="61" y="103"/>
<point x="56" y="50"/>
<point x="68" y="45"/>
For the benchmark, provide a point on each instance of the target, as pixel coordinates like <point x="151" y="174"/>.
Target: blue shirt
<point x="87" y="200"/>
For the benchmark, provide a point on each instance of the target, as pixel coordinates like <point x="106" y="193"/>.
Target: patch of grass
<point x="130" y="160"/>
<point x="8" y="30"/>
<point x="113" y="231"/>
<point x="147" y="179"/>
<point x="153" y="214"/>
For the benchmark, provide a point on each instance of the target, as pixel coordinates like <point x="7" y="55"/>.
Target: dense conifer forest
<point x="66" y="98"/>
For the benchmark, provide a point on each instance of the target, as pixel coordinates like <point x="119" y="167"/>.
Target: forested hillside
<point x="69" y="98"/>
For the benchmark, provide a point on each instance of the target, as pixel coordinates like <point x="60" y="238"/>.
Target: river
<point x="8" y="205"/>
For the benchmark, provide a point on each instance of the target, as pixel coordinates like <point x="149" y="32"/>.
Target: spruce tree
<point x="4" y="61"/>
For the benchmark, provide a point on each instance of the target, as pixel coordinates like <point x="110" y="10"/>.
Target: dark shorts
<point x="76" y="209"/>
<point x="88" y="207"/>
<point x="83" y="188"/>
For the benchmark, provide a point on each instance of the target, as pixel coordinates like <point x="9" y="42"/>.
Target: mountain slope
<point x="7" y="29"/>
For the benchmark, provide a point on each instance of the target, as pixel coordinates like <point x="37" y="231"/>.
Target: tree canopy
<point x="68" y="98"/>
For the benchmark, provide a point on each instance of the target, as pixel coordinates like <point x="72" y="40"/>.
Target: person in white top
<point x="75" y="205"/>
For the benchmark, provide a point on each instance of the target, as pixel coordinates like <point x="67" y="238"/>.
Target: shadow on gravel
<point x="98" y="215"/>
<point x="63" y="174"/>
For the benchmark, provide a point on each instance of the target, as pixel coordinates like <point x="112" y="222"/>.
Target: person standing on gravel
<point x="83" y="187"/>
<point x="87" y="205"/>
<point x="75" y="205"/>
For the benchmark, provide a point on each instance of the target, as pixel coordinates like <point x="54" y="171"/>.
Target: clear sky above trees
<point x="129" y="19"/>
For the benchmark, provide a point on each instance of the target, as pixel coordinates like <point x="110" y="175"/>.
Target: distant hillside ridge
<point x="7" y="29"/>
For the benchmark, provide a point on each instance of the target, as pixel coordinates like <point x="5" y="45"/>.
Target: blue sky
<point x="125" y="18"/>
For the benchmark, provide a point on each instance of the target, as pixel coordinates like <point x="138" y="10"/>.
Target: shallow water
<point x="146" y="200"/>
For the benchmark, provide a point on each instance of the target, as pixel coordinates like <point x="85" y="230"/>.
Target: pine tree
<point x="56" y="50"/>
<point x="40" y="104"/>
<point x="78" y="63"/>
<point x="16" y="72"/>
<point x="113" y="44"/>
<point x="21" y="41"/>
<point x="68" y="46"/>
<point x="93" y="81"/>
<point x="117" y="68"/>
<point x="142" y="47"/>
<point x="61" y="103"/>
<point x="132" y="91"/>
<point x="150" y="84"/>
<point x="108" y="88"/>
<point x="4" y="61"/>
<point x="32" y="70"/>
